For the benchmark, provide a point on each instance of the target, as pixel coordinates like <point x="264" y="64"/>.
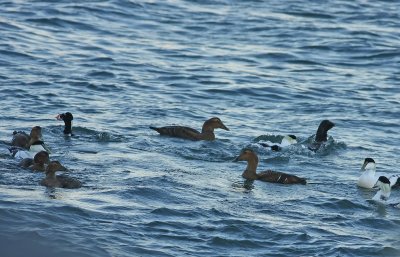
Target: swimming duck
<point x="268" y="176"/>
<point x="67" y="118"/>
<point x="37" y="163"/>
<point x="207" y="132"/>
<point x="383" y="194"/>
<point x="322" y="135"/>
<point x="369" y="178"/>
<point x="19" y="142"/>
<point x="286" y="141"/>
<point x="35" y="145"/>
<point x="51" y="180"/>
<point x="384" y="185"/>
<point x="20" y="139"/>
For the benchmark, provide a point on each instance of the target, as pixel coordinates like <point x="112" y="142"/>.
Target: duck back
<point x="178" y="131"/>
<point x="281" y="178"/>
<point x="67" y="182"/>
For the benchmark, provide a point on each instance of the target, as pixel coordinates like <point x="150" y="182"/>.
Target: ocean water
<point x="266" y="68"/>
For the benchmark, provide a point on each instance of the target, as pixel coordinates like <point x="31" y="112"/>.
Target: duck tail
<point x="156" y="129"/>
<point x="302" y="181"/>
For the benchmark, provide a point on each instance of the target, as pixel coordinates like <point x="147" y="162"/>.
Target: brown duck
<point x="38" y="163"/>
<point x="267" y="176"/>
<point x="51" y="180"/>
<point x="207" y="132"/>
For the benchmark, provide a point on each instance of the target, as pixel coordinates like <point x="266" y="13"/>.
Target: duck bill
<point x="364" y="165"/>
<point x="237" y="159"/>
<point x="224" y="127"/>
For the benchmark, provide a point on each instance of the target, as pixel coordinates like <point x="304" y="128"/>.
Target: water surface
<point x="264" y="68"/>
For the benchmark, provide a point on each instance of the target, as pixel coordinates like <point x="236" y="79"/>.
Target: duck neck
<point x="38" y="167"/>
<point x="250" y="171"/>
<point x="383" y="194"/>
<point x="370" y="171"/>
<point x="207" y="132"/>
<point x="34" y="139"/>
<point x="51" y="175"/>
<point x="68" y="127"/>
<point x="386" y="191"/>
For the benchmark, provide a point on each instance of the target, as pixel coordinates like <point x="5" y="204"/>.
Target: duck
<point x="382" y="196"/>
<point x="384" y="189"/>
<point x="369" y="178"/>
<point x="322" y="135"/>
<point x="19" y="142"/>
<point x="207" y="132"/>
<point x="37" y="163"/>
<point x="286" y="141"/>
<point x="35" y="145"/>
<point x="268" y="176"/>
<point x="20" y="139"/>
<point x="51" y="180"/>
<point x="67" y="118"/>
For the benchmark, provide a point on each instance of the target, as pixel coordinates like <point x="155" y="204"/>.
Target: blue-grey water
<point x="266" y="68"/>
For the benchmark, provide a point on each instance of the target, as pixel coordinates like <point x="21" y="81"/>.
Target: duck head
<point x="41" y="157"/>
<point x="54" y="166"/>
<point x="213" y="123"/>
<point x="322" y="132"/>
<point x="369" y="164"/>
<point x="36" y="133"/>
<point x="252" y="163"/>
<point x="247" y="155"/>
<point x="67" y="118"/>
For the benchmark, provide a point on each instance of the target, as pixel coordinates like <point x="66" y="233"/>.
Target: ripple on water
<point x="267" y="69"/>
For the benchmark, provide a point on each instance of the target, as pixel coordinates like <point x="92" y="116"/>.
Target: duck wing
<point x="280" y="177"/>
<point x="178" y="131"/>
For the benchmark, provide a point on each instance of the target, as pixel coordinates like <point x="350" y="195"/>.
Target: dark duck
<point x="207" y="132"/>
<point x="67" y="118"/>
<point x="268" y="176"/>
<point x="322" y="135"/>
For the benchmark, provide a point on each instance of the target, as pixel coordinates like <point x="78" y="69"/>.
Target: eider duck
<point x="37" y="163"/>
<point x="19" y="142"/>
<point x="51" y="180"/>
<point x="321" y="135"/>
<point x="35" y="145"/>
<point x="20" y="139"/>
<point x="207" y="132"/>
<point x="268" y="176"/>
<point x="384" y="185"/>
<point x="67" y="118"/>
<point x="286" y="141"/>
<point x="369" y="178"/>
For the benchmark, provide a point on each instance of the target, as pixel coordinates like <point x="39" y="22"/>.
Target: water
<point x="265" y="68"/>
